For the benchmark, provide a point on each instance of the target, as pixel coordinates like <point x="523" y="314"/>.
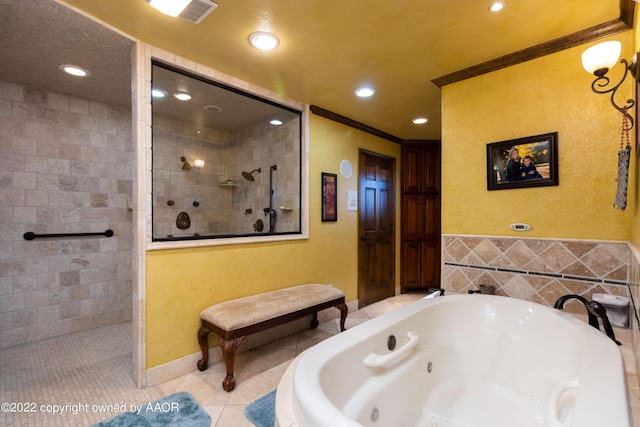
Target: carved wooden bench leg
<point x="228" y="354"/>
<point x="344" y="310"/>
<point x="203" y="333"/>
<point x="314" y="320"/>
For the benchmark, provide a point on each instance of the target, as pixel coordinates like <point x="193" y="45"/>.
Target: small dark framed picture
<point x="329" y="197"/>
<point x="523" y="162"/>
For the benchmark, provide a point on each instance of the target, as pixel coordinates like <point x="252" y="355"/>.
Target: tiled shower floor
<point x="95" y="368"/>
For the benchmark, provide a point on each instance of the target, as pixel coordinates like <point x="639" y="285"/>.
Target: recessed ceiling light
<point x="74" y="70"/>
<point x="496" y="6"/>
<point x="420" y="120"/>
<point x="158" y="93"/>
<point x="169" y="7"/>
<point x="365" y="92"/>
<point x="182" y="96"/>
<point x="263" y="40"/>
<point x="276" y="122"/>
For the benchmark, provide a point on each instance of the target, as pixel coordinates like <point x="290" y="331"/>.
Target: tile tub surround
<point x="65" y="167"/>
<point x="634" y="286"/>
<point x="538" y="270"/>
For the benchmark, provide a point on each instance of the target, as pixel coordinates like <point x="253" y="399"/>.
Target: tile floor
<point x="94" y="368"/>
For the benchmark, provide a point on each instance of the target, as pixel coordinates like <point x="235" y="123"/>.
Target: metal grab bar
<point x="374" y="360"/>
<point x="31" y="235"/>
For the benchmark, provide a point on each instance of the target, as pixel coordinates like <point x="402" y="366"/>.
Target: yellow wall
<point x="635" y="179"/>
<point x="549" y="94"/>
<point x="181" y="282"/>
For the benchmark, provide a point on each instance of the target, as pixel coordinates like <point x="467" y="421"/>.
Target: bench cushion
<point x="242" y="312"/>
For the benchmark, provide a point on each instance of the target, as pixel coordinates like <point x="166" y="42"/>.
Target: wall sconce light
<point x="198" y="163"/>
<point x="599" y="59"/>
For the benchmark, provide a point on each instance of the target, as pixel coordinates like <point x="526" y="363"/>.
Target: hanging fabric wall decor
<point x="624" y="156"/>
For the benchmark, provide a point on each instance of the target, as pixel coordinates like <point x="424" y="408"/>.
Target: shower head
<point x="249" y="175"/>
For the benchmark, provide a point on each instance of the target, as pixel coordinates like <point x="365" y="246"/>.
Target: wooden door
<point x="376" y="248"/>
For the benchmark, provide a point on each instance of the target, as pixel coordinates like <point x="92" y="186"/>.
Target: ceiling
<point x="212" y="106"/>
<point x="327" y="47"/>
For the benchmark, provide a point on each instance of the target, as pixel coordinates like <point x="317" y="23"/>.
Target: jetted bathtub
<point x="462" y="360"/>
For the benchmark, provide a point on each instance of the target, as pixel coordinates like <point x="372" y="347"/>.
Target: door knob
<point x="363" y="237"/>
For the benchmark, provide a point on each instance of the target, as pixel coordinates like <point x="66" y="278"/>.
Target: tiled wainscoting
<point x="539" y="270"/>
<point x="634" y="290"/>
<point x="542" y="270"/>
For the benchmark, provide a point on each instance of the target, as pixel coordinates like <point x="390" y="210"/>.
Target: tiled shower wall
<point x="65" y="167"/>
<point x="261" y="147"/>
<point x="227" y="203"/>
<point x="175" y="190"/>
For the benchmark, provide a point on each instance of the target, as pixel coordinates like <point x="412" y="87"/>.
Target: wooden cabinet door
<point x="420" y="264"/>
<point x="420" y="217"/>
<point x="412" y="217"/>
<point x="421" y="168"/>
<point x="430" y="169"/>
<point x="411" y="169"/>
<point x="430" y="218"/>
<point x="411" y="265"/>
<point x="430" y="264"/>
<point x="420" y="231"/>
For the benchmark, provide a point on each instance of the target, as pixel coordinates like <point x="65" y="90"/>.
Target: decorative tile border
<point x="541" y="273"/>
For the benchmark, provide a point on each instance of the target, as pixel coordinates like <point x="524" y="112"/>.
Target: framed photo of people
<point x="523" y="162"/>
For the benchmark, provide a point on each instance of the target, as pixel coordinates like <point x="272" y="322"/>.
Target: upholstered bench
<point x="233" y="320"/>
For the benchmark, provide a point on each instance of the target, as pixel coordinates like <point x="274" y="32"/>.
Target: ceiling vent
<point x="194" y="11"/>
<point x="197" y="10"/>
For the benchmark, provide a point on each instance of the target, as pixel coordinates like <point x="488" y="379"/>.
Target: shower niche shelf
<point x="228" y="184"/>
<point x="287" y="205"/>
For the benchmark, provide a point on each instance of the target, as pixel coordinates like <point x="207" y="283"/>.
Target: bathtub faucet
<point x="595" y="310"/>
